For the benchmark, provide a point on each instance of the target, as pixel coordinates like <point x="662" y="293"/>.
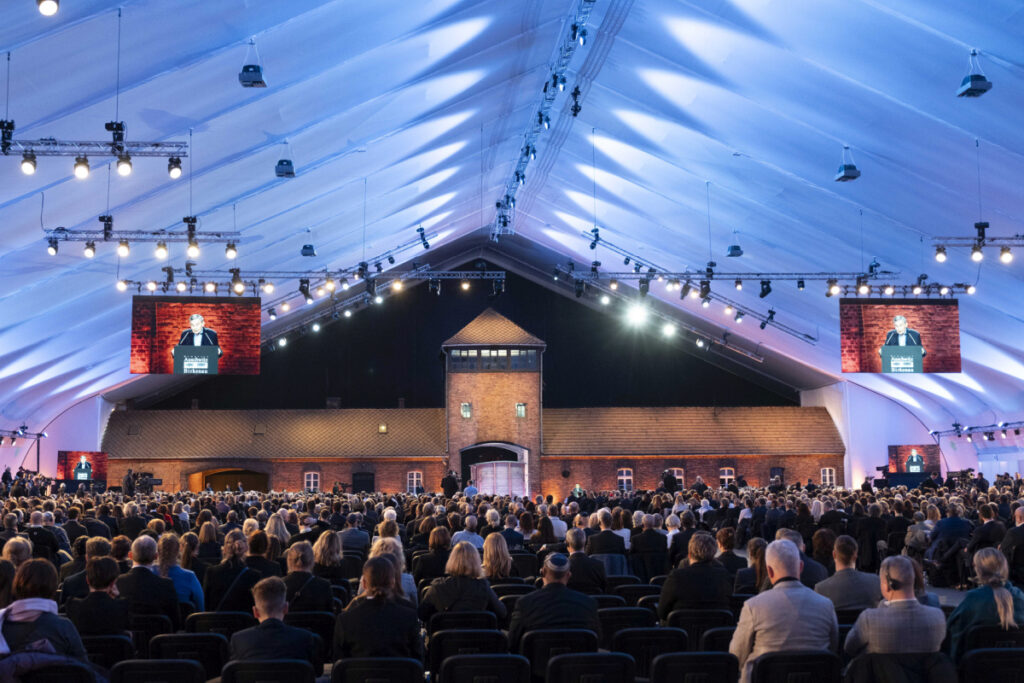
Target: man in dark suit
<point x="132" y="524"/>
<point x="988" y="534"/>
<point x="849" y="589"/>
<point x="272" y="639"/>
<point x="513" y="538"/>
<point x="606" y="541"/>
<point x="702" y="584"/>
<point x="44" y="543"/>
<point x="650" y="551"/>
<point x="100" y="612"/>
<point x="353" y="537"/>
<point x="78" y="563"/>
<point x="1013" y="547"/>
<point x="813" y="571"/>
<point x="586" y="575"/>
<point x="198" y="334"/>
<point x="73" y="528"/>
<point x="146" y="592"/>
<point x="76" y="585"/>
<point x="555" y="606"/>
<point x="306" y="593"/>
<point x="901" y="335"/>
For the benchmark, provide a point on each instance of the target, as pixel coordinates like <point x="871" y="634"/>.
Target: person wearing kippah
<point x="553" y="606"/>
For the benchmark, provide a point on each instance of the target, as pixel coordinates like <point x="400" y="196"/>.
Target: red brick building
<point x="493" y="412"/>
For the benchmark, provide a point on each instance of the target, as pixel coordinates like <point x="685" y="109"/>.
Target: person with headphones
<point x="900" y="624"/>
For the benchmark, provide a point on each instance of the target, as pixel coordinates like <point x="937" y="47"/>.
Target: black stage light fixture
<point x="578" y="288"/>
<point x="800" y="285"/>
<point x="51" y="246"/>
<point x="304" y="288"/>
<point x="371" y="286"/>
<point x="497" y="287"/>
<point x="766" y="288"/>
<point x="596" y="239"/>
<point x="174" y="168"/>
<point x="251" y="76"/>
<point x="705" y="289"/>
<point x="771" y="318"/>
<point x="361" y="271"/>
<point x="685" y="290"/>
<point x="81" y="167"/>
<point x="391" y="260"/>
<point x="434" y="286"/>
<point x="644" y="285"/>
<point x="423" y="237"/>
<point x="379" y="268"/>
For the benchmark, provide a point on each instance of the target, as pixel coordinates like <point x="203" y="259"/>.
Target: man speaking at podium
<point x="902" y="336"/>
<point x="83" y="470"/>
<point x="198" y="335"/>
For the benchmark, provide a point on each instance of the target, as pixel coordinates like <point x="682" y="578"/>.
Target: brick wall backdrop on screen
<point x="157" y="324"/>
<point x="865" y="323"/>
<point x="898" y="457"/>
<point x="67" y="460"/>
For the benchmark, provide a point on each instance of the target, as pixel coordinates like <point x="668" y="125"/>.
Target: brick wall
<point x="865" y="323"/>
<point x="68" y="460"/>
<point x="494" y="396"/>
<point x="157" y="324"/>
<point x="898" y="457"/>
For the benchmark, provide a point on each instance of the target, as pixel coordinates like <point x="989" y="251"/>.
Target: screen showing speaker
<point x="195" y="335"/>
<point x="914" y="459"/>
<point x="82" y="465"/>
<point x="899" y="335"/>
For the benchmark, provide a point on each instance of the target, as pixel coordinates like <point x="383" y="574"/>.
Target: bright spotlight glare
<point x="668" y="329"/>
<point x="636" y="315"/>
<point x="605" y="299"/>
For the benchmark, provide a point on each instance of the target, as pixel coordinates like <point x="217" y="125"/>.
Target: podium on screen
<point x="900" y="359"/>
<point x="195" y="360"/>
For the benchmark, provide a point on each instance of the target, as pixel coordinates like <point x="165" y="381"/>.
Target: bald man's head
<point x="1018" y="516"/>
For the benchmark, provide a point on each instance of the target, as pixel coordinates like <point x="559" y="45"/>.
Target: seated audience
<point x="209" y="548"/>
<point x="513" y="538"/>
<point x="272" y="639"/>
<point x="497" y="562"/>
<point x="120" y="550"/>
<point x="430" y="564"/>
<point x="586" y="574"/>
<point x="78" y="564"/>
<point x="813" y="571"/>
<point x="352" y="536"/>
<point x="306" y="591"/>
<point x="555" y="606"/>
<point x="727" y="557"/>
<point x="256" y="555"/>
<point x="702" y="584"/>
<point x="754" y="578"/>
<point x="190" y="556"/>
<point x="463" y="589"/>
<point x="901" y="624"/>
<point x="995" y="602"/>
<point x="17" y="551"/>
<point x="606" y="541"/>
<point x="392" y="549"/>
<point x="228" y="585"/>
<point x="327" y="559"/>
<point x="77" y="585"/>
<point x="1012" y="547"/>
<point x="378" y="623"/>
<point x="468" y="534"/>
<point x="788" y="617"/>
<point x="186" y="585"/>
<point x="145" y="592"/>
<point x="101" y="612"/>
<point x="32" y="617"/>
<point x="849" y="588"/>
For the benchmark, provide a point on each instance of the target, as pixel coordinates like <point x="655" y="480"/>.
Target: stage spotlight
<point x="210" y="287"/>
<point x="700" y="342"/>
<point x="123" y="249"/>
<point x="971" y="289"/>
<point x="347" y="313"/>
<point x="605" y="299"/>
<point x="237" y="285"/>
<point x="943" y="290"/>
<point x="272" y="312"/>
<point x="613" y="284"/>
<point x="48" y="7"/>
<point x="391" y="261"/>
<point x="230" y="251"/>
<point x="51" y="246"/>
<point x="161" y="250"/>
<point x="833" y="288"/>
<point x="124" y="165"/>
<point x="90" y="250"/>
<point x="81" y="168"/>
<point x="151" y="285"/>
<point x="969" y="438"/>
<point x="181" y="286"/>
<point x="321" y="291"/>
<point x="497" y="287"/>
<point x="668" y="330"/>
<point x="684" y="290"/>
<point x="1003" y="433"/>
<point x="464" y="285"/>
<point x="705" y="302"/>
<point x="1005" y="255"/>
<point x="423" y="237"/>
<point x="193" y="249"/>
<point x="800" y="285"/>
<point x="766" y="288"/>
<point x="863" y="288"/>
<point x="543" y="120"/>
<point x="771" y="318"/>
<point x="28" y="163"/>
<point x="889" y="290"/>
<point x="727" y="310"/>
<point x="122" y="285"/>
<point x="304" y="288"/>
<point x="739" y="285"/>
<point x="739" y="316"/>
<point x="916" y="290"/>
<point x="434" y="286"/>
<point x="378" y="299"/>
<point x="344" y="284"/>
<point x="644" y="286"/>
<point x="705" y="289"/>
<point x="282" y="342"/>
<point x="267" y="286"/>
<point x="625" y="261"/>
<point x="579" y="287"/>
<point x="940" y="254"/>
<point x="174" y="168"/>
<point x="396" y="286"/>
<point x="636" y="315"/>
<point x="976" y="253"/>
<point x="316" y="327"/>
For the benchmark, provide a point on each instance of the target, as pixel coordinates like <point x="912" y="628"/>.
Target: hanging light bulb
<point x="976" y="253"/>
<point x="51" y="246"/>
<point x="268" y="287"/>
<point x="151" y="285"/>
<point x="230" y="251"/>
<point x="28" y="163"/>
<point x="193" y="249"/>
<point x="122" y="285"/>
<point x="161" y="250"/>
<point x="81" y="168"/>
<point x="123" y="249"/>
<point x="90" y="250"/>
<point x="1005" y="255"/>
<point x="181" y="286"/>
<point x="210" y="287"/>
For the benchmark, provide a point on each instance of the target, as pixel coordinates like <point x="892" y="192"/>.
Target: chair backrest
<point x="644" y="644"/>
<point x="320" y="623"/>
<point x="503" y="589"/>
<point x="541" y="645"/>
<point x="989" y="637"/>
<point x="736" y="603"/>
<point x="377" y="669"/>
<point x="509" y="601"/>
<point x="526" y="564"/>
<point x="209" y="649"/>
<point x="144" y="627"/>
<point x="848" y="616"/>
<point x="717" y="639"/>
<point x="106" y="651"/>
<point x="448" y="643"/>
<point x="351" y="566"/>
<point x="158" y="671"/>
<point x="462" y="620"/>
<point x="919" y="666"/>
<point x="609" y="601"/>
<point x="225" y="623"/>
<point x="268" y="671"/>
<point x="340" y="592"/>
<point x="614" y="563"/>
<point x="658" y="580"/>
<point x="61" y="673"/>
<point x="632" y="593"/>
<point x="613" y="581"/>
<point x="992" y="665"/>
<point x="694" y="667"/>
<point x="649" y="602"/>
<point x="614" y="619"/>
<point x="696" y="621"/>
<point x="592" y="667"/>
<point x="819" y="666"/>
<point x="492" y="668"/>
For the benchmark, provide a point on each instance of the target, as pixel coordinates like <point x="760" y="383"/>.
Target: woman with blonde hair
<point x="209" y="549"/>
<point x="497" y="564"/>
<point x="463" y="589"/>
<point x="228" y="585"/>
<point x="327" y="554"/>
<point x="168" y="559"/>
<point x="392" y="549"/>
<point x="17" y="551"/>
<point x="276" y="528"/>
<point x="189" y="556"/>
<point x="995" y="602"/>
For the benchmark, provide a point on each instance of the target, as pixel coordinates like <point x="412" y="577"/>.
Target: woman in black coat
<point x="228" y="585"/>
<point x="430" y="565"/>
<point x="377" y="623"/>
<point x="463" y="590"/>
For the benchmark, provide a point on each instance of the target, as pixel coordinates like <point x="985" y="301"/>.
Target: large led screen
<point x="899" y="335"/>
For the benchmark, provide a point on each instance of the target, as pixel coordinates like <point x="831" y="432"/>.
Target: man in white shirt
<point x="557" y="524"/>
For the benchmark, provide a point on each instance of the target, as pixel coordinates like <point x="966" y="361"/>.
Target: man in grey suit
<point x="788" y="617"/>
<point x="902" y="624"/>
<point x="353" y="537"/>
<point x="849" y="588"/>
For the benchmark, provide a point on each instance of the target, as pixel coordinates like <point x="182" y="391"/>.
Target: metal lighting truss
<point x="541" y="121"/>
<point x="19" y="433"/>
<point x="990" y="430"/>
<point x="106" y="233"/>
<point x="981" y="239"/>
<point x="117" y="146"/>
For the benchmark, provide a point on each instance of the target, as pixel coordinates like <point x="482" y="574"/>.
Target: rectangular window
<point x="462" y="359"/>
<point x="679" y="474"/>
<point x="828" y="476"/>
<point x="413" y="481"/>
<point x="466" y="409"/>
<point x="493" y="359"/>
<point x="311" y="481"/>
<point x="523" y="359"/>
<point x="726" y="476"/>
<point x="624" y="479"/>
<point x="520" y="410"/>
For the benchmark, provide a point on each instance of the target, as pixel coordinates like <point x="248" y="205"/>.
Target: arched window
<point x="413" y="481"/>
<point x="679" y="474"/>
<point x="828" y="476"/>
<point x="727" y="476"/>
<point x="624" y="478"/>
<point x="311" y="481"/>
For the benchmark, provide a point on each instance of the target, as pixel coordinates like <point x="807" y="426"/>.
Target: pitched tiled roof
<point x="285" y="433"/>
<point x="690" y="431"/>
<point x="491" y="327"/>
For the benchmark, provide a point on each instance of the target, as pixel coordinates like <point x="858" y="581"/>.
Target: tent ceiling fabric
<point x="428" y="102"/>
